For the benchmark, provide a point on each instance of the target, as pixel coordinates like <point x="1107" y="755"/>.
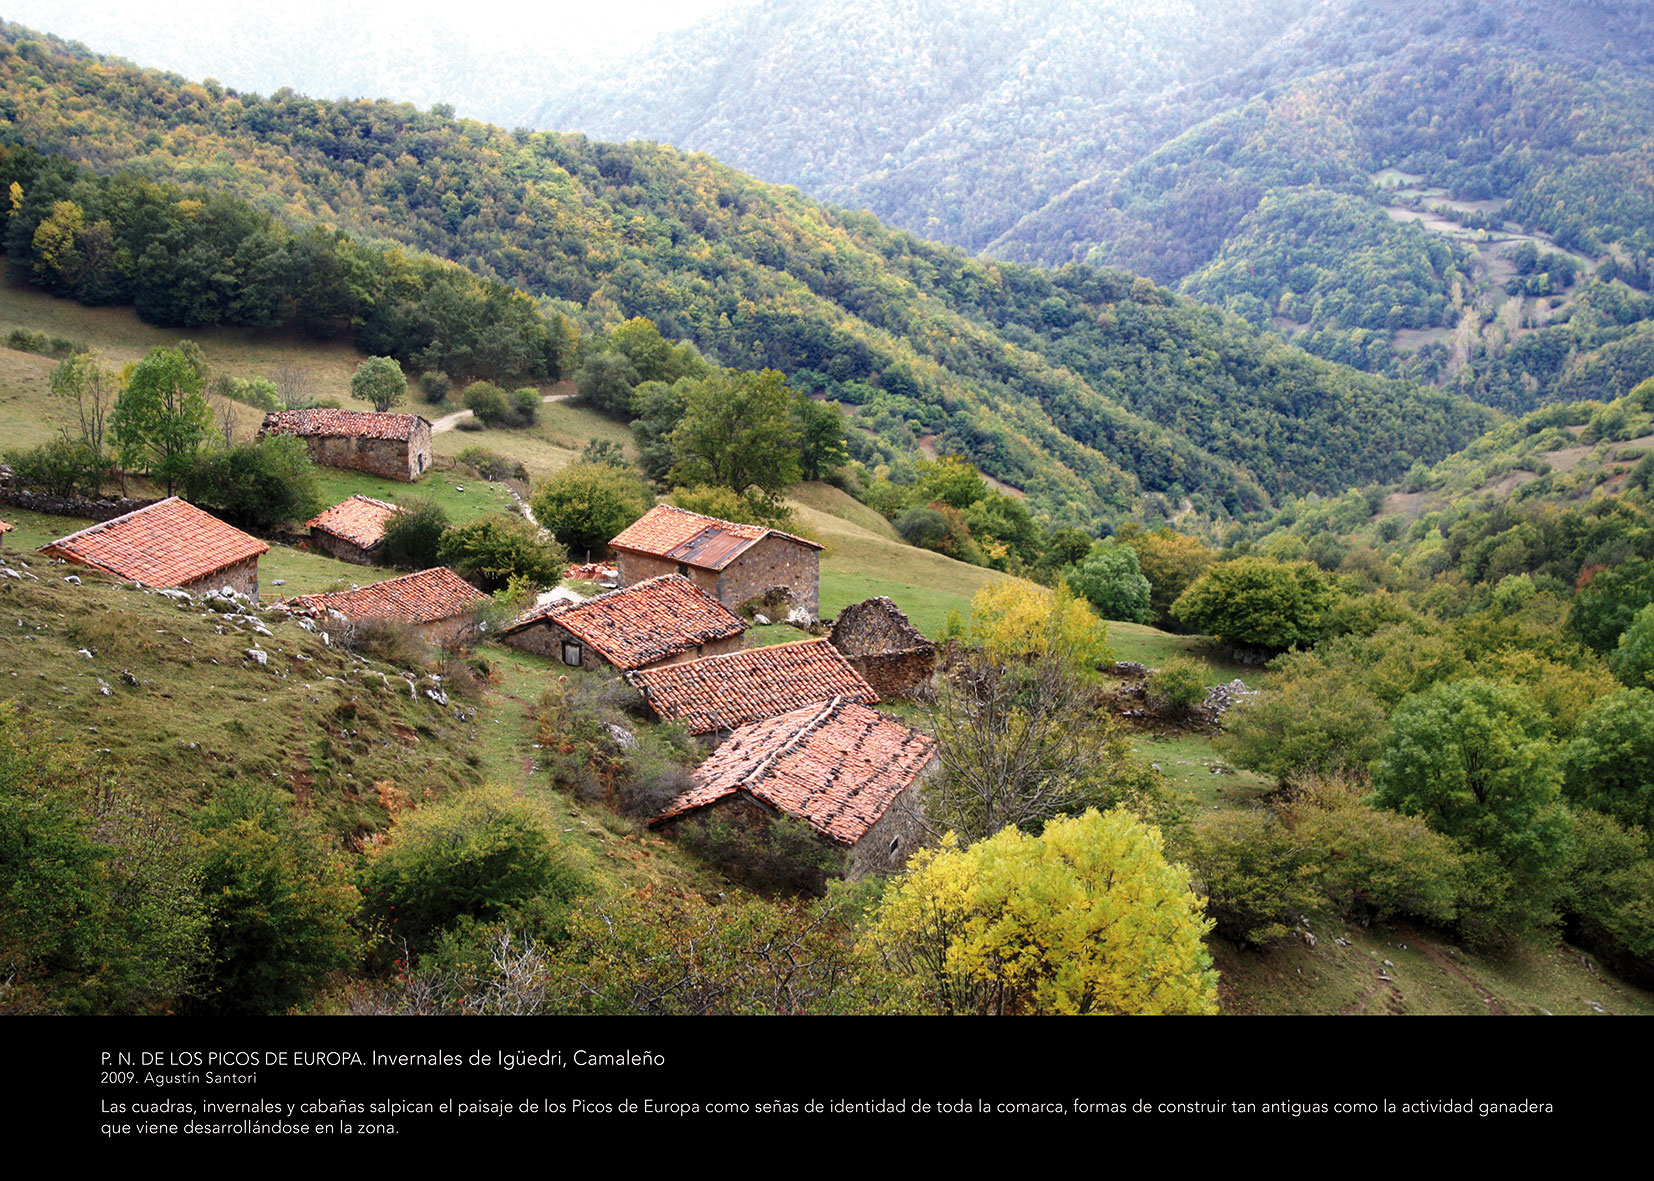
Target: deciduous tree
<point x="160" y="419"/>
<point x="1086" y="918"/>
<point x="738" y="432"/>
<point x="379" y="380"/>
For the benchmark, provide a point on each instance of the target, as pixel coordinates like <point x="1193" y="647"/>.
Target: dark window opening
<point x="571" y="654"/>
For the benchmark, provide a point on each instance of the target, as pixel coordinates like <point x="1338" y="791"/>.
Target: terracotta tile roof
<point x="170" y="543"/>
<point x="359" y="520"/>
<point x="695" y="540"/>
<point x="367" y="424"/>
<point x="640" y="624"/>
<point x="422" y="597"/>
<point x="835" y="765"/>
<point x="723" y="692"/>
<point x="5" y="528"/>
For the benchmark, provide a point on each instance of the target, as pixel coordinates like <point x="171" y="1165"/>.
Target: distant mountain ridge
<point x="1043" y="131"/>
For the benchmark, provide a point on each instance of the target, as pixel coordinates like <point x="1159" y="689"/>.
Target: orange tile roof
<point x="642" y="623"/>
<point x="723" y="692"/>
<point x="835" y="765"/>
<point x="5" y="528"/>
<point x="359" y="520"/>
<point x="170" y="543"/>
<point x="666" y="531"/>
<point x="368" y="424"/>
<point x="422" y="597"/>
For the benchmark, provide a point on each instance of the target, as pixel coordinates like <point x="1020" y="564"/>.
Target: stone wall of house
<point x="337" y="547"/>
<point x="395" y="459"/>
<point x="442" y="633"/>
<point x="911" y="673"/>
<point x="774" y="562"/>
<point x="241" y="577"/>
<point x="547" y="639"/>
<point x="879" y="642"/>
<point x="886" y="846"/>
<point x="635" y="568"/>
<point x="74" y="506"/>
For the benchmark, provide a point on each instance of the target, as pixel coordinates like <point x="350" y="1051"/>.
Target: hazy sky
<point x="406" y="49"/>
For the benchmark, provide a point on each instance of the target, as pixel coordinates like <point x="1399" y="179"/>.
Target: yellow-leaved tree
<point x="1086" y="918"/>
<point x="1013" y="618"/>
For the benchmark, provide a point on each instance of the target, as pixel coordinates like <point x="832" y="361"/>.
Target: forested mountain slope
<point x="1086" y="389"/>
<point x="1183" y="142"/>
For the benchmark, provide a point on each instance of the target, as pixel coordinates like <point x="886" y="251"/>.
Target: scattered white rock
<point x="623" y="737"/>
<point x="761" y="620"/>
<point x="256" y="654"/>
<point x="72" y="579"/>
<point x="83" y="652"/>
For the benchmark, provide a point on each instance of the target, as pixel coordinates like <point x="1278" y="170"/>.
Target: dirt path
<point x="1447" y="964"/>
<point x="448" y="421"/>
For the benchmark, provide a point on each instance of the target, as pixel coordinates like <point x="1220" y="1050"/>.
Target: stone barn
<point x="733" y="563"/>
<point x="437" y="603"/>
<point x="878" y="641"/>
<point x="395" y="446"/>
<point x="352" y="529"/>
<point x="659" y="621"/>
<point x="849" y="772"/>
<point x="720" y="693"/>
<point x="171" y="543"/>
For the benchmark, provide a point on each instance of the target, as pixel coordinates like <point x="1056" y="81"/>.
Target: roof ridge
<point x="823" y="713"/>
<point x="93" y="528"/>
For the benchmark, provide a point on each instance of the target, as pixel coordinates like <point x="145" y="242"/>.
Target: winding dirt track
<point x="448" y="421"/>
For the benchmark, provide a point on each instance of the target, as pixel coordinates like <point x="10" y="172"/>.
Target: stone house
<point x="879" y="642"/>
<point x="721" y="693"/>
<point x="733" y="563"/>
<point x="171" y="543"/>
<point x="659" y="621"/>
<point x="849" y="772"/>
<point x="352" y="529"/>
<point x="396" y="446"/>
<point x="437" y="603"/>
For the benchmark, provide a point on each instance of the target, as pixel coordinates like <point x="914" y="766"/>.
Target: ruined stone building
<point x="663" y="620"/>
<point x="720" y="693"/>
<point x="171" y="543"/>
<point x="733" y="563"/>
<point x="878" y="641"/>
<point x="849" y="772"/>
<point x="437" y="603"/>
<point x="396" y="446"/>
<point x="352" y="529"/>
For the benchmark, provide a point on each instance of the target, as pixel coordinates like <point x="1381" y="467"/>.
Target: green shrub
<point x="476" y="854"/>
<point x="492" y="550"/>
<point x="585" y="504"/>
<point x="61" y="467"/>
<point x="279" y="903"/>
<point x="488" y="402"/>
<point x="491" y="465"/>
<point x="781" y="854"/>
<point x="1609" y="899"/>
<point x="413" y="535"/>
<point x="1180" y="685"/>
<point x="1259" y="876"/>
<point x="259" y="485"/>
<point x="434" y="387"/>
